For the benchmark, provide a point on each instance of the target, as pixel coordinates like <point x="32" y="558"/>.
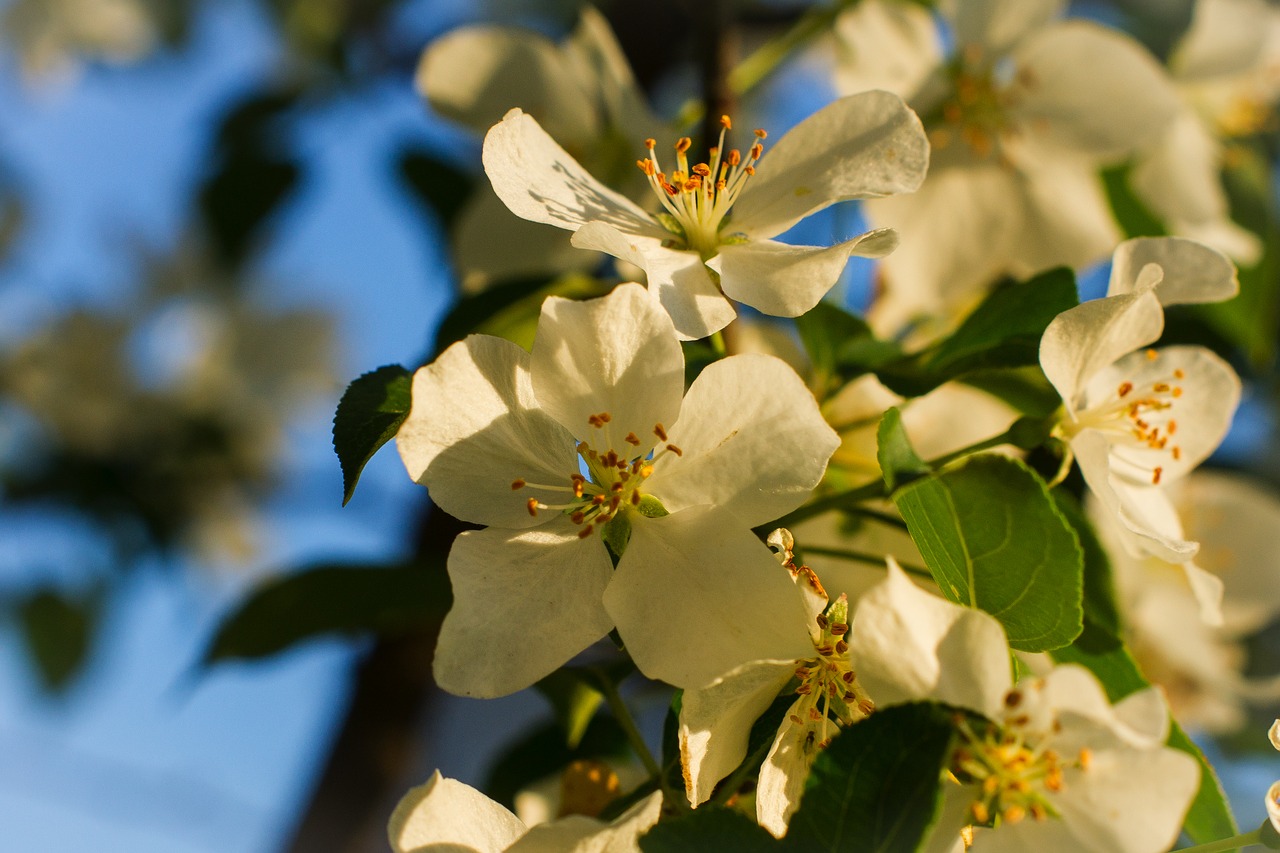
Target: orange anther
<point x="532" y="505"/>
<point x="660" y="432"/>
<point x="683" y="144"/>
<point x="1124" y="388"/>
<point x="517" y="483"/>
<point x="677" y="451"/>
<point x="1179" y="373"/>
<point x="585" y="532"/>
<point x="734" y="158"/>
<point x="760" y="133"/>
<point x="1155" y="475"/>
<point x="632" y="439"/>
<point x="726" y="123"/>
<point x="1152" y="355"/>
<point x="650" y="143"/>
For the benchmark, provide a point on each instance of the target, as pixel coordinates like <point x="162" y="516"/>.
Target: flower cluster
<point x="625" y="468"/>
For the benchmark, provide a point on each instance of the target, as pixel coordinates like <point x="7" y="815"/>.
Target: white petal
<point x="885" y="45"/>
<point x="523" y="604"/>
<point x="953" y="816"/>
<point x="447" y="812"/>
<point x="617" y="354"/>
<point x="1273" y="805"/>
<point x="1208" y="589"/>
<point x="473" y="75"/>
<point x="1203" y="412"/>
<point x="577" y="834"/>
<point x="1226" y="37"/>
<point x="716" y="721"/>
<point x="492" y="244"/>
<point x="1070" y="706"/>
<point x="678" y="279"/>
<point x="786" y="281"/>
<point x="696" y="595"/>
<point x="868" y="145"/>
<point x="1149" y="524"/>
<point x="1273" y="734"/>
<point x="1235" y="520"/>
<point x="1069" y="219"/>
<point x="782" y="776"/>
<point x="997" y="25"/>
<point x="475" y="427"/>
<point x="752" y="439"/>
<point x="1091" y="89"/>
<point x="1083" y="340"/>
<point x="599" y="59"/>
<point x="906" y="644"/>
<point x="540" y="182"/>
<point x="1192" y="272"/>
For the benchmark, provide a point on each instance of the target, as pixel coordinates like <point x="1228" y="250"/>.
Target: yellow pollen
<point x="646" y="166"/>
<point x="1085" y="758"/>
<point x="1152" y="355"/>
<point x="1014" y="814"/>
<point x="517" y="484"/>
<point x="1177" y="391"/>
<point x="683" y="144"/>
<point x="702" y="170"/>
<point x="980" y="813"/>
<point x="646" y="470"/>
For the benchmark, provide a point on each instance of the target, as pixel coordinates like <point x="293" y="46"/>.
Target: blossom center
<point x="1137" y="415"/>
<point x="978" y="110"/>
<point x="830" y="695"/>
<point x="612" y="484"/>
<point x="1015" y="771"/>
<point x="696" y="199"/>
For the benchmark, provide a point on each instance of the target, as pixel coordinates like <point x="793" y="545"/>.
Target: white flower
<point x="1020" y="120"/>
<point x="1227" y="72"/>
<point x="716" y="720"/>
<point x="499" y="436"/>
<point x="1055" y="766"/>
<point x="885" y="44"/>
<point x="1138" y="418"/>
<point x="581" y="90"/>
<point x="446" y="816"/>
<point x="1184" y="621"/>
<point x="712" y="239"/>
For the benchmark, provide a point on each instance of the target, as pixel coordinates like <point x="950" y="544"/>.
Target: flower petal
<point x="997" y="25"/>
<point x="1226" y="37"/>
<point x="1084" y="340"/>
<point x="492" y="245"/>
<point x="863" y="146"/>
<point x="1208" y="590"/>
<point x="1149" y="524"/>
<point x="447" y="812"/>
<point x="888" y="46"/>
<point x="696" y="595"/>
<point x="906" y="644"/>
<point x="1192" y="272"/>
<point x="752" y="439"/>
<point x="786" y="281"/>
<point x="716" y="721"/>
<point x="578" y="834"/>
<point x="1201" y="414"/>
<point x="474" y="74"/>
<point x="1091" y="89"/>
<point x="523" y="604"/>
<point x="783" y="775"/>
<point x="475" y="427"/>
<point x="537" y="180"/>
<point x="678" y="279"/>
<point x="617" y="354"/>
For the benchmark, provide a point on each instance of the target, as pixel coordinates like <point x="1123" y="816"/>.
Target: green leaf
<point x="1023" y="388"/>
<point x="1005" y="330"/>
<point x="331" y="599"/>
<point x="575" y="701"/>
<point x="58" y="631"/>
<point x="994" y="539"/>
<point x="441" y="188"/>
<point x="899" y="463"/>
<point x="876" y="787"/>
<point x="1100" y="607"/>
<point x="369" y="414"/>
<point x="1209" y="817"/>
<point x="710" y="827"/>
<point x="840" y="346"/>
<point x="1135" y="218"/>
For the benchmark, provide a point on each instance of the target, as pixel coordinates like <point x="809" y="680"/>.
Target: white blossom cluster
<point x="621" y="505"/>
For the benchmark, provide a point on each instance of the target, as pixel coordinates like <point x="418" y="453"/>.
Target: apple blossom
<point x="1054" y="766"/>
<point x="711" y="242"/>
<point x="566" y="448"/>
<point x="1137" y="418"/>
<point x="446" y="815"/>
<point x="1226" y="69"/>
<point x="1273" y="793"/>
<point x="1020" y="120"/>
<point x="582" y="90"/>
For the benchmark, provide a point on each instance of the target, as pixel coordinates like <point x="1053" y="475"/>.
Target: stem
<point x="760" y="64"/>
<point x="863" y="557"/>
<point x="628" y="724"/>
<point x="874" y="489"/>
<point x="1233" y="843"/>
<point x="882" y="517"/>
